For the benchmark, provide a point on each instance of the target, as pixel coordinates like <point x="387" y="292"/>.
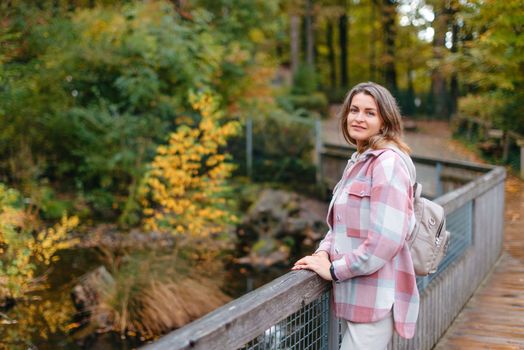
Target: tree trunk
<point x="373" y="45"/>
<point x="343" y="42"/>
<point x="410" y="99"/>
<point x="454" y="88"/>
<point x="331" y="55"/>
<point x="438" y="84"/>
<point x="389" y="32"/>
<point x="310" y="38"/>
<point x="295" y="42"/>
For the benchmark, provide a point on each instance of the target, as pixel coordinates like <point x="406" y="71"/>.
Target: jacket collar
<point x="375" y="153"/>
<point x="367" y="153"/>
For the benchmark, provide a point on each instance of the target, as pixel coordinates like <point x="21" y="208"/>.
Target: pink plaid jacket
<point x="369" y="216"/>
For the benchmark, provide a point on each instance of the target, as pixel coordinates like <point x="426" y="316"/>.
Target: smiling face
<point x="363" y="119"/>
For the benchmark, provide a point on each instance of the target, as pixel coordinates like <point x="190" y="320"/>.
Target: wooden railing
<point x="293" y="312"/>
<point x="437" y="176"/>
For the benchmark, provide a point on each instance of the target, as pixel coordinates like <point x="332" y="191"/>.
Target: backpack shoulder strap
<point x="417" y="190"/>
<point x="409" y="165"/>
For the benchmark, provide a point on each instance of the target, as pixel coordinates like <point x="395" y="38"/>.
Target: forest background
<point x="130" y="116"/>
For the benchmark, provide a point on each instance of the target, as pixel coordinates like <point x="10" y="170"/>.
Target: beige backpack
<point x="429" y="239"/>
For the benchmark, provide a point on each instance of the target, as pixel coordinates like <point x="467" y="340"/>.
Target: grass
<point x="156" y="291"/>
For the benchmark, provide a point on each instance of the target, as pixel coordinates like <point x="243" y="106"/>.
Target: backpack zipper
<point x="439" y="231"/>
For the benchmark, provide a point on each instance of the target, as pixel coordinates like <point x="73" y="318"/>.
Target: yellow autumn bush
<point x="181" y="194"/>
<point x="26" y="243"/>
<point x="182" y="191"/>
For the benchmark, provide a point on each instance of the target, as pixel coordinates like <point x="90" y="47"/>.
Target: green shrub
<point x="51" y="207"/>
<point x="316" y="102"/>
<point x="336" y="95"/>
<point x="283" y="147"/>
<point x="85" y="97"/>
<point x="483" y="107"/>
<point x="304" y="81"/>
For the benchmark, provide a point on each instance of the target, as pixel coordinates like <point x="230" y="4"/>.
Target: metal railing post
<point x="520" y="143"/>
<point x="333" y="329"/>
<point x="249" y="147"/>
<point x="438" y="173"/>
<point x="318" y="150"/>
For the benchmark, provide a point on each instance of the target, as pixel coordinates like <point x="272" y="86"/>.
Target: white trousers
<point x="367" y="336"/>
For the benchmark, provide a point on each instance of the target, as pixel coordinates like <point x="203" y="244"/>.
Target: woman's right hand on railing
<point x="318" y="262"/>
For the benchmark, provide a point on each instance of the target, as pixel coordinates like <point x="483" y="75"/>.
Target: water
<point x="44" y="319"/>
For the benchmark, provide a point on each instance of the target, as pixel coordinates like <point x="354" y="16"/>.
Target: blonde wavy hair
<point x="389" y="113"/>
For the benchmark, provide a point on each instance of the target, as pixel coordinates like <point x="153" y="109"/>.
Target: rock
<point x="278" y="225"/>
<point x="86" y="296"/>
<point x="109" y="236"/>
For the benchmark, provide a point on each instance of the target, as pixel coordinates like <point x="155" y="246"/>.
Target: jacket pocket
<point x="358" y="208"/>
<point x="359" y="188"/>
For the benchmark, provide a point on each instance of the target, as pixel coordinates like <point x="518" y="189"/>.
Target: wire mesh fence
<point x="306" y="329"/>
<point x="460" y="225"/>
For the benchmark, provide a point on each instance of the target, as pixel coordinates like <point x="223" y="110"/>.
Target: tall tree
<point x="438" y="82"/>
<point x="389" y="27"/>
<point x="343" y="43"/>
<point x="294" y="24"/>
<point x="331" y="54"/>
<point x="310" y="34"/>
<point x="492" y="63"/>
<point x="408" y="103"/>
<point x="327" y="12"/>
<point x="373" y="42"/>
<point x="454" y="85"/>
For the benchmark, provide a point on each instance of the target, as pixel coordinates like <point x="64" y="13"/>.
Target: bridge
<point x="294" y="311"/>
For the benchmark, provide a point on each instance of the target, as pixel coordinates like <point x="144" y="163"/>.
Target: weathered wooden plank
<point x="236" y="323"/>
<point x="495" y="315"/>
<point x="344" y="152"/>
<point x="333" y="154"/>
<point x="453" y="200"/>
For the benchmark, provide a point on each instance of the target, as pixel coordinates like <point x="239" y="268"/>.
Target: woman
<point x="371" y="212"/>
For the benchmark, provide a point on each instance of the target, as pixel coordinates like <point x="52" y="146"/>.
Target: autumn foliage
<point x="25" y="243"/>
<point x="182" y="190"/>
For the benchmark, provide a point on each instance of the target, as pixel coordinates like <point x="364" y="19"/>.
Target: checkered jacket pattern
<point x="369" y="216"/>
